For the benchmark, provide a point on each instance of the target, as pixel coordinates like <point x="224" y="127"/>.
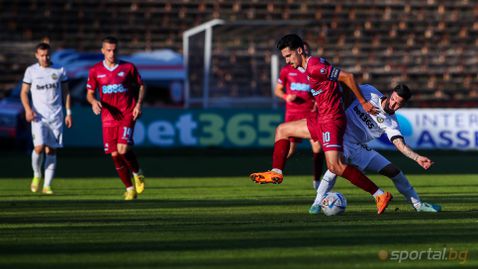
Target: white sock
<point x="140" y="172"/>
<point x="50" y="167"/>
<point x="404" y="187"/>
<point x="37" y="160"/>
<point x="130" y="188"/>
<point x="326" y="184"/>
<point x="278" y="171"/>
<point x="378" y="193"/>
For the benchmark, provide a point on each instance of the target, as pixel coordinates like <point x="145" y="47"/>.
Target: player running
<point x="362" y="128"/>
<point x="299" y="103"/>
<point x="120" y="105"/>
<point x="327" y="127"/>
<point x="48" y="85"/>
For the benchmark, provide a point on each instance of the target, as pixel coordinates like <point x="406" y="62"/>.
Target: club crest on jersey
<point x="380" y="120"/>
<point x="121" y="74"/>
<point x="54" y="76"/>
<point x="323" y="71"/>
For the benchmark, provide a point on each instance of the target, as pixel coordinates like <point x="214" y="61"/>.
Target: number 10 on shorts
<point x="326" y="137"/>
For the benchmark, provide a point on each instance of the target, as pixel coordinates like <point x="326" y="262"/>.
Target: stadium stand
<point x="429" y="44"/>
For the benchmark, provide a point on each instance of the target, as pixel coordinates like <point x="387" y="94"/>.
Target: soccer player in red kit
<point x="327" y="126"/>
<point x="120" y="105"/>
<point x="299" y="104"/>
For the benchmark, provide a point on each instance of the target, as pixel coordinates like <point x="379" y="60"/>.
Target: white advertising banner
<point x="436" y="129"/>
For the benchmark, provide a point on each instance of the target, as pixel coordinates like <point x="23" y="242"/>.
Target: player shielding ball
<point x="293" y="87"/>
<point x="120" y="105"/>
<point x="362" y="128"/>
<point x="327" y="126"/>
<point x="48" y="85"/>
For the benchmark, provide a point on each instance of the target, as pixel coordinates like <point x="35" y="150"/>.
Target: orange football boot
<point x="267" y="177"/>
<point x="382" y="202"/>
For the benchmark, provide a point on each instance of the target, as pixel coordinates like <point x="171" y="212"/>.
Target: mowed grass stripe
<point x="229" y="222"/>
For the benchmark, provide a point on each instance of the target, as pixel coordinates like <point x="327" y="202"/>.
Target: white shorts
<point x="44" y="134"/>
<point x="364" y="157"/>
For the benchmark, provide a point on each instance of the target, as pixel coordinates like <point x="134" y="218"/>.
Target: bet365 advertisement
<point x="255" y="128"/>
<point x="228" y="128"/>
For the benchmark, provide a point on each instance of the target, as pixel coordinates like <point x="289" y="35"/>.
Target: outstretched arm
<point x="349" y="81"/>
<point x="407" y="151"/>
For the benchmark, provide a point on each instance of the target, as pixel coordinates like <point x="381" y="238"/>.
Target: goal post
<point x="234" y="64"/>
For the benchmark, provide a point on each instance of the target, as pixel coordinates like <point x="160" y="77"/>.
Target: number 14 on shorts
<point x="127" y="133"/>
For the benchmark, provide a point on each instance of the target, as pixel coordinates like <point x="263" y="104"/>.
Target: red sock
<point x="357" y="178"/>
<point x="122" y="170"/>
<point x="131" y="161"/>
<point x="318" y="165"/>
<point x="281" y="149"/>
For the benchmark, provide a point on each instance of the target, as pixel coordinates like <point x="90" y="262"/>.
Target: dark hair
<point x="403" y="91"/>
<point x="292" y="41"/>
<point x="307" y="51"/>
<point x="110" y="40"/>
<point x="42" y="46"/>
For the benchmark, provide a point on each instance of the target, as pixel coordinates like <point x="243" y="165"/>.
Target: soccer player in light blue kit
<point x="362" y="128"/>
<point x="48" y="86"/>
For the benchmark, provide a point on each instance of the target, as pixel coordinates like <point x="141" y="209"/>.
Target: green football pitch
<point x="234" y="223"/>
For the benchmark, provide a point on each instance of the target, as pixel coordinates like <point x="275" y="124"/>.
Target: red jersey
<point x="118" y="90"/>
<point x="323" y="80"/>
<point x="296" y="82"/>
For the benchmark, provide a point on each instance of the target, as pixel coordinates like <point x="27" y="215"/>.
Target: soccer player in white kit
<point x="362" y="128"/>
<point x="48" y="86"/>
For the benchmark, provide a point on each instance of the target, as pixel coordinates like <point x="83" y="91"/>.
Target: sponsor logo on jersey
<point x="364" y="117"/>
<point x="113" y="88"/>
<point x="101" y="76"/>
<point x="121" y="74"/>
<point x="295" y="86"/>
<point x="54" y="76"/>
<point x="315" y="93"/>
<point x="47" y="86"/>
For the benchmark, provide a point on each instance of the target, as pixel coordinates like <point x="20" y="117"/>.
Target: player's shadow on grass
<point x="45" y="203"/>
<point x="294" y="233"/>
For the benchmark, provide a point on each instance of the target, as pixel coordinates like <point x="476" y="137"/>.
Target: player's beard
<point x="387" y="108"/>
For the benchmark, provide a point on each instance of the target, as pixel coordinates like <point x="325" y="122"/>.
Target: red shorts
<point x="294" y="117"/>
<point x="330" y="134"/>
<point x="119" y="134"/>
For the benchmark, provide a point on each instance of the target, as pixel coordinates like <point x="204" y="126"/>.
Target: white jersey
<point x="47" y="99"/>
<point x="363" y="127"/>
